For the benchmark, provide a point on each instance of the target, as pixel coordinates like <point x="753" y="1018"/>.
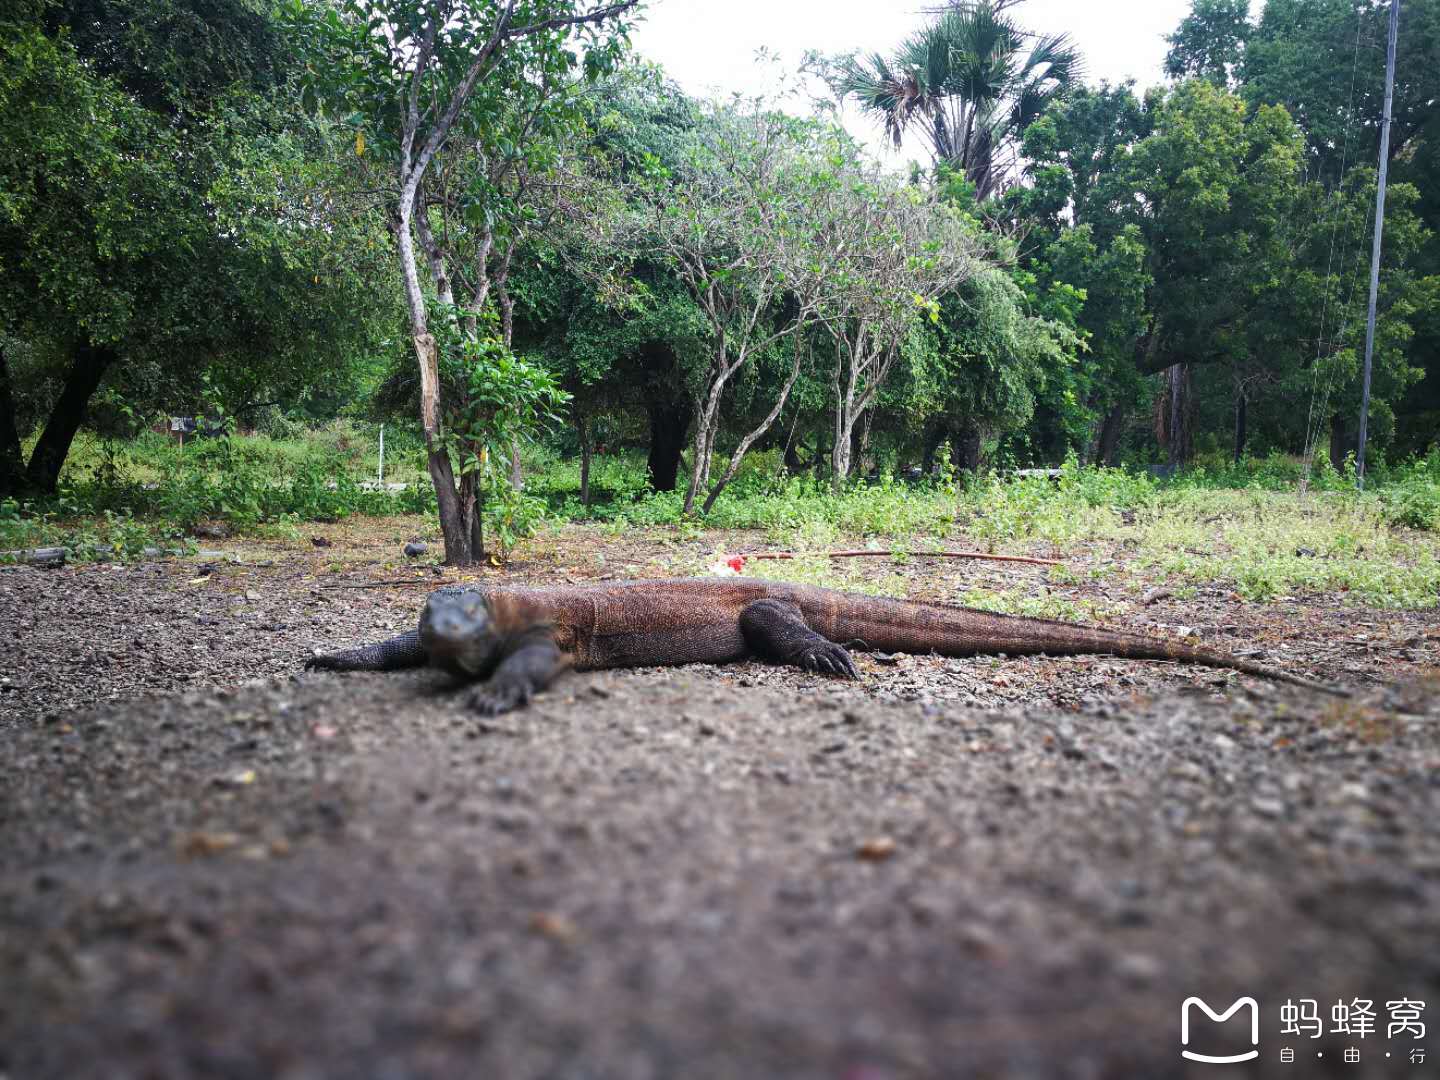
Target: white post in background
<point x="380" y="476"/>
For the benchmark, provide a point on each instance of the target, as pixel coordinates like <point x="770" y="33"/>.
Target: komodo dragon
<point x="518" y="638"/>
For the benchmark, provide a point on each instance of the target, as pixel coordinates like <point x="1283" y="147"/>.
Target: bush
<point x="1412" y="499"/>
<point x="106" y="537"/>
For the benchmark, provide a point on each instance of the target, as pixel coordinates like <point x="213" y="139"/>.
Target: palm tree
<point x="969" y="84"/>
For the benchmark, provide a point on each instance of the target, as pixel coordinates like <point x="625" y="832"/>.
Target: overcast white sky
<point x="709" y="46"/>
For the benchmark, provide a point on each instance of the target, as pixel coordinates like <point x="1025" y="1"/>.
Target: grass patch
<point x="1243" y="525"/>
<point x="849" y="575"/>
<point x="1267" y="544"/>
<point x="104" y="537"/>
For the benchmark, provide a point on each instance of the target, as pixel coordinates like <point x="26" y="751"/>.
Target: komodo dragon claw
<point x="829" y="658"/>
<point x="494" y="699"/>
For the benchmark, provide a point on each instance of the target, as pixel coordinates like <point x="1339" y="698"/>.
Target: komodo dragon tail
<point x="914" y="627"/>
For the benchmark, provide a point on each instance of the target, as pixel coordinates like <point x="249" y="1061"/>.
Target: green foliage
<point x="361" y="60"/>
<point x="104" y="537"/>
<point x="164" y="213"/>
<point x="1210" y="41"/>
<point x="615" y="482"/>
<point x="761" y="496"/>
<point x="1245" y="527"/>
<point x="1322" y="62"/>
<point x="504" y="402"/>
<point x="188" y="192"/>
<point x="1412" y="498"/>
<point x="504" y="398"/>
<point x="247" y="482"/>
<point x="1266" y="545"/>
<point x="992" y="352"/>
<point x="174" y="57"/>
<point x="466" y="106"/>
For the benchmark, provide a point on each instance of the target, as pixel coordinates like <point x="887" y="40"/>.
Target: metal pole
<point x="380" y="476"/>
<point x="1379" y="229"/>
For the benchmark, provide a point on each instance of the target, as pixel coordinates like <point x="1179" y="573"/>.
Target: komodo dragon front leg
<point x="776" y="630"/>
<point x="528" y="662"/>
<point x="531" y="662"/>
<point x="393" y="654"/>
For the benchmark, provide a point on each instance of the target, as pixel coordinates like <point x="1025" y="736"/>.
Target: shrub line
<point x="747" y="556"/>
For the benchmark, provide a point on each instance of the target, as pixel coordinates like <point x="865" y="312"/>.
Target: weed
<point x="109" y="536"/>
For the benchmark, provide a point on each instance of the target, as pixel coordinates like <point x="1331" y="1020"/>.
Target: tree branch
<point x="599" y="15"/>
<point x="462" y="92"/>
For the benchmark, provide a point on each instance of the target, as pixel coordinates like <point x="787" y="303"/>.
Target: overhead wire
<point x="1320" y="394"/>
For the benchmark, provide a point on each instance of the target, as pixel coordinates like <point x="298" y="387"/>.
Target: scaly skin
<point x="518" y="638"/>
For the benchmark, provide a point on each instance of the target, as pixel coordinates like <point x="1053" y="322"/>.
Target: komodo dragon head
<point x="458" y="632"/>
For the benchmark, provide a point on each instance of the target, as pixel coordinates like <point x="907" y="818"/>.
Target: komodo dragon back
<point x="639" y="623"/>
<point x="697" y="620"/>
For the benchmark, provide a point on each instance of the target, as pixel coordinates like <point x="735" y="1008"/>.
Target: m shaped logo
<point x="1219" y="1018"/>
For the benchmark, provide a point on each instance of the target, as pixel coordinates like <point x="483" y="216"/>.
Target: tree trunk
<point x="517" y="470"/>
<point x="454" y="526"/>
<point x="668" y="423"/>
<point x="840" y="460"/>
<point x="966" y="443"/>
<point x="86" y="370"/>
<point x="506" y="303"/>
<point x="841" y="447"/>
<point x="12" y="464"/>
<point x="862" y="443"/>
<point x="439" y="271"/>
<point x="477" y="530"/>
<point x="749" y="440"/>
<point x="507" y="335"/>
<point x="471" y="513"/>
<point x="1112" y="426"/>
<point x="794" y="465"/>
<point x="1173" y="416"/>
<point x="1342" y="441"/>
<point x="701" y="446"/>
<point x="1241" y="408"/>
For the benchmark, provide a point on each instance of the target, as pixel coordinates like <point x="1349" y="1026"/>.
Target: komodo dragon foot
<point x="776" y="630"/>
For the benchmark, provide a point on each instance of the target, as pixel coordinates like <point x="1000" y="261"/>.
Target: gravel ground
<point x="697" y="872"/>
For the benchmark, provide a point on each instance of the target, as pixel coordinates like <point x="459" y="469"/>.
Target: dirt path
<point x="699" y="873"/>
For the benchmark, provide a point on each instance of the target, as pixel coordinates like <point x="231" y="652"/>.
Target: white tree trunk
<point x="457" y="534"/>
<point x="749" y="440"/>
